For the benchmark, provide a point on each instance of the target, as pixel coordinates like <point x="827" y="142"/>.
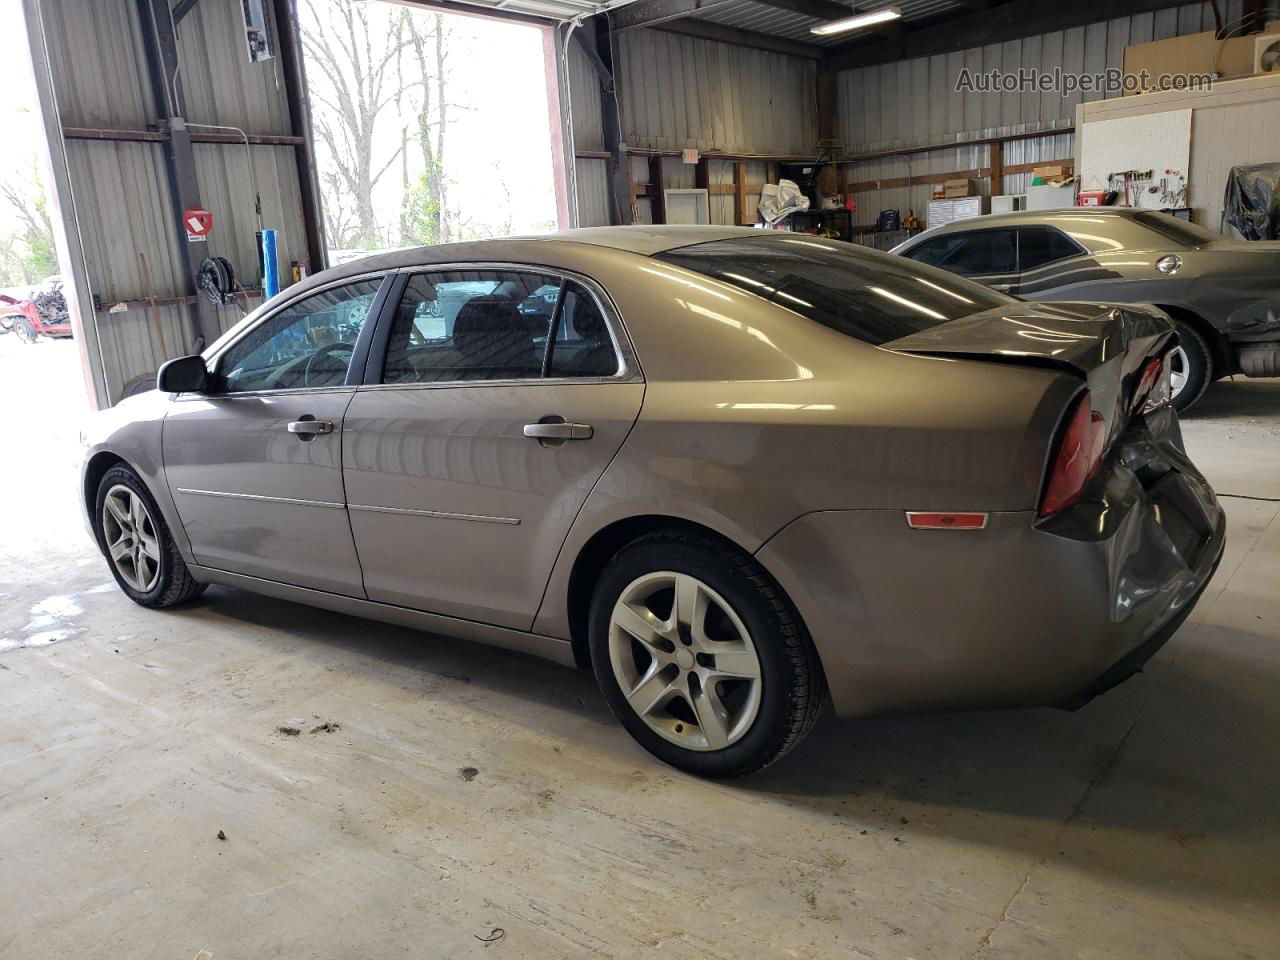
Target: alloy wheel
<point x="130" y="535"/>
<point x="1178" y="371"/>
<point x="684" y="661"/>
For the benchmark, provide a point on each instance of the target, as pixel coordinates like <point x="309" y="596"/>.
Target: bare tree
<point x="27" y="255"/>
<point x="357" y="67"/>
<point x="425" y="215"/>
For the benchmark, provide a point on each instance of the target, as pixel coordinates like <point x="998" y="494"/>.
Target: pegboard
<point x="1152" y="141"/>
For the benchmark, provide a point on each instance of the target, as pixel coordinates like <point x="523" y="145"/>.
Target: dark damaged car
<point x="1223" y="295"/>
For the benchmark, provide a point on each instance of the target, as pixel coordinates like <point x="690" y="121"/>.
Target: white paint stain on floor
<point x="49" y="623"/>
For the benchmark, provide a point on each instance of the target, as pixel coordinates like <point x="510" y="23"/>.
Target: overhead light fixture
<point x="857" y="22"/>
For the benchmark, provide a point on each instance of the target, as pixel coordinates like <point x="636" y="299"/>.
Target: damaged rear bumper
<point x="1021" y="614"/>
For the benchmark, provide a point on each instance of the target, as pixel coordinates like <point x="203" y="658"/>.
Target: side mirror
<point x="183" y="375"/>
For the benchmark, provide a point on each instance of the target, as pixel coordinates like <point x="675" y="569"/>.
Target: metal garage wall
<point x="680" y="91"/>
<point x="221" y="85"/>
<point x="913" y="102"/>
<point x="1237" y="122"/>
<point x="677" y="175"/>
<point x="120" y="189"/>
<point x="592" y="174"/>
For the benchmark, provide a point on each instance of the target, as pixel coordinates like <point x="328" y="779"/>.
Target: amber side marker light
<point x="917" y="520"/>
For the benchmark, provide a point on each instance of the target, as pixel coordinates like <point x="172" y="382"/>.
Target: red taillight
<point x="1076" y="458"/>
<point x="1154" y="388"/>
<point x="1150" y="374"/>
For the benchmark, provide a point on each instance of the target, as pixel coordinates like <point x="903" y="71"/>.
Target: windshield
<point x="1182" y="232"/>
<point x="859" y="292"/>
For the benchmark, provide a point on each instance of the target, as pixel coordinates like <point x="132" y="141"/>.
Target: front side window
<point x="859" y="292"/>
<point x="979" y="253"/>
<point x="1040" y="246"/>
<point x="307" y="344"/>
<point x="471" y="325"/>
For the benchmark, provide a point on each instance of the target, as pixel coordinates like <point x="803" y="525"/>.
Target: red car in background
<point x="43" y="314"/>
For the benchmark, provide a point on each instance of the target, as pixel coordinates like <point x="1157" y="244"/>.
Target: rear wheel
<point x="1192" y="366"/>
<point x="701" y="656"/>
<point x="137" y="544"/>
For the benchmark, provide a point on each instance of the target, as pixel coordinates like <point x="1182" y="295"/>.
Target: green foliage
<point x="27" y="253"/>
<point x="423" y="220"/>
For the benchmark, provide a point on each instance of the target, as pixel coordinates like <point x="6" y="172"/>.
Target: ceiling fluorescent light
<point x="868" y="19"/>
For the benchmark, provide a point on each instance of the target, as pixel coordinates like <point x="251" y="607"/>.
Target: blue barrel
<point x="270" y="264"/>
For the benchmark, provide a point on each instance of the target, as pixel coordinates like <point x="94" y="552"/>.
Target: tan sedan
<point x="733" y="471"/>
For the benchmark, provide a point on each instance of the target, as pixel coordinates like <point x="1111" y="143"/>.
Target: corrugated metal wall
<point x="914" y="102"/>
<point x="679" y="176"/>
<point x="121" y="189"/>
<point x="592" y="174"/>
<point x="680" y="91"/>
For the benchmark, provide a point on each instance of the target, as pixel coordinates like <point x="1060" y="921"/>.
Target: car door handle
<point x="308" y="428"/>
<point x="558" y="431"/>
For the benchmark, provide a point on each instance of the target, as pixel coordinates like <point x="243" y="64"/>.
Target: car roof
<point x="643" y="240"/>
<point x="1031" y="217"/>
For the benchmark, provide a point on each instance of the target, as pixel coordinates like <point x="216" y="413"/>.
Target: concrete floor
<point x="1144" y="825"/>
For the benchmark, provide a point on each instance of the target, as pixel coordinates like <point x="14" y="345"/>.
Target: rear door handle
<point x="558" y="431"/>
<point x="308" y="428"/>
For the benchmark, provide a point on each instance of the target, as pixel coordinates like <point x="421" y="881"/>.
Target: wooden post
<point x="658" y="201"/>
<point x="740" y="193"/>
<point x="996" y="157"/>
<point x="827" y="141"/>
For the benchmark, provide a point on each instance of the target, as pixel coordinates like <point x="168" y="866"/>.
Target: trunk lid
<point x="1082" y="338"/>
<point x="1105" y="345"/>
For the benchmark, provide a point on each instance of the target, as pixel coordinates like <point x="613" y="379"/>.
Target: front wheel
<point x="137" y="544"/>
<point x="1192" y="367"/>
<point x="701" y="656"/>
<point x="26" y="332"/>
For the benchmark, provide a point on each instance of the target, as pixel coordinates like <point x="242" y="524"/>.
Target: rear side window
<point x="471" y="325"/>
<point x="582" y="346"/>
<point x="861" y="293"/>
<point x="1038" y="246"/>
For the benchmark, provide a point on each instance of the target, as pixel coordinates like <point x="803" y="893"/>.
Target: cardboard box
<point x="1052" y="171"/>
<point x="957" y="188"/>
<point x="1195" y="53"/>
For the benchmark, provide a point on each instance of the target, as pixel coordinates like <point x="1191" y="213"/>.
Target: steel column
<point x="610" y="117"/>
<point x="161" y="45"/>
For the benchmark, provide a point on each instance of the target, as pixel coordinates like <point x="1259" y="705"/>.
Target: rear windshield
<point x="1182" y="232"/>
<point x="859" y="292"/>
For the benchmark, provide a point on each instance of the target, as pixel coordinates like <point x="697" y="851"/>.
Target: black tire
<point x="139" y="384"/>
<point x="174" y="583"/>
<point x="26" y="332"/>
<point x="793" y="688"/>
<point x="1199" y="365"/>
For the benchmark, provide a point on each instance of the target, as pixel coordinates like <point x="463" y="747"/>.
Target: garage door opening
<point x="430" y="127"/>
<point x="42" y="392"/>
